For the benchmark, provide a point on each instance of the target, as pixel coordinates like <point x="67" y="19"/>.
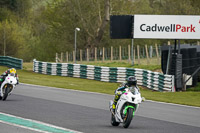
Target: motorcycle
<point x="8" y="86"/>
<point x="126" y="107"/>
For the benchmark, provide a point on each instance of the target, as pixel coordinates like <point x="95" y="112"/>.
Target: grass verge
<point x="123" y="64"/>
<point x="26" y="76"/>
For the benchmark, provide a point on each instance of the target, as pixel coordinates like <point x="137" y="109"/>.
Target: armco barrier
<point x="11" y="62"/>
<point x="149" y="79"/>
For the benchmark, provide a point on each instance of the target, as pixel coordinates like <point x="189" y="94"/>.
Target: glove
<point x="118" y="92"/>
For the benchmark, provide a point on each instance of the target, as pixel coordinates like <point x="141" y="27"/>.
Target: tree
<point x="39" y="29"/>
<point x="9" y="38"/>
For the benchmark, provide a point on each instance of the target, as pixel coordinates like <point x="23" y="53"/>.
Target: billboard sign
<point x="167" y="26"/>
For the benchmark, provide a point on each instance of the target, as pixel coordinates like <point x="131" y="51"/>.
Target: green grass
<point x="123" y="64"/>
<point x="26" y="76"/>
<point x="153" y="64"/>
<point x="187" y="98"/>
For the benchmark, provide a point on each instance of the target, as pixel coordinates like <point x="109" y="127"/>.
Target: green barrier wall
<point x="11" y="62"/>
<point x="152" y="80"/>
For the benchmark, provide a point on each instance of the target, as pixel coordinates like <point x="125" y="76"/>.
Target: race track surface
<point x="88" y="112"/>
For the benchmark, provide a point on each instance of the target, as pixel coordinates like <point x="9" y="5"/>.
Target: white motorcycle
<point x="126" y="107"/>
<point x="8" y="86"/>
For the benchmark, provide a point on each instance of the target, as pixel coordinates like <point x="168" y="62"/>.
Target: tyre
<point x="128" y="118"/>
<point x="5" y="94"/>
<point x="113" y="121"/>
<point x="6" y="90"/>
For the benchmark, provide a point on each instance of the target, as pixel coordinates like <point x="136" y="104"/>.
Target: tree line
<point x="40" y="28"/>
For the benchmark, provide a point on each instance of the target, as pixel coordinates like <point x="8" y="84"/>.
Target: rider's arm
<point x="122" y="87"/>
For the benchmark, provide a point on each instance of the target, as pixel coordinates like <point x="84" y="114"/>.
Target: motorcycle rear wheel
<point x="128" y="118"/>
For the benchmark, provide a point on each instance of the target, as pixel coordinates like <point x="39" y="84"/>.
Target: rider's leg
<point x="1" y="80"/>
<point x="115" y="101"/>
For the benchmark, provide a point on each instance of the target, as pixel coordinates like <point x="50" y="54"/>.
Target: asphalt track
<point x="88" y="112"/>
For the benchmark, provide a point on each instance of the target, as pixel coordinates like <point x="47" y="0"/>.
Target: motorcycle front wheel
<point x="128" y="118"/>
<point x="6" y="90"/>
<point x="113" y="121"/>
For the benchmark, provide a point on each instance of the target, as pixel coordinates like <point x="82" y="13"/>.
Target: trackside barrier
<point x="152" y="80"/>
<point x="11" y="62"/>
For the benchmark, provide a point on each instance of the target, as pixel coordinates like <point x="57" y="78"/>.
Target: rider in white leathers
<point x="5" y="74"/>
<point x="131" y="81"/>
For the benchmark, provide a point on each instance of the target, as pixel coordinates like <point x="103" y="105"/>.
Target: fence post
<point x="103" y="55"/>
<point x="157" y="54"/>
<point x="120" y="53"/>
<point x="138" y="54"/>
<point x="129" y="53"/>
<point x="61" y="56"/>
<point x="56" y="57"/>
<point x="111" y="54"/>
<point x="197" y="42"/>
<point x="147" y="55"/>
<point x="95" y="54"/>
<point x="67" y="57"/>
<point x="150" y="52"/>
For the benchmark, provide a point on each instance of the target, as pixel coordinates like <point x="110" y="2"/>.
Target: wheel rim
<point x="125" y="118"/>
<point x="4" y="89"/>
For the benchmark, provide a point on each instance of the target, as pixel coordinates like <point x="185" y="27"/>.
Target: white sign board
<point x="167" y="26"/>
<point x="189" y="81"/>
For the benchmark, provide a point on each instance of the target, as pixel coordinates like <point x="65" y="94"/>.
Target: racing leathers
<point x="5" y="74"/>
<point x="118" y="93"/>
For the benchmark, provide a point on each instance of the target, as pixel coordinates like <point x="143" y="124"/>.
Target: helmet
<point x="131" y="80"/>
<point x="12" y="70"/>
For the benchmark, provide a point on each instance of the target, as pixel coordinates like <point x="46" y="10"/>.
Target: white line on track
<point x="12" y="124"/>
<point x="34" y="121"/>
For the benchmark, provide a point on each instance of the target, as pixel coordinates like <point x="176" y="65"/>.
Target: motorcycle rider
<point x="130" y="82"/>
<point x="5" y="74"/>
